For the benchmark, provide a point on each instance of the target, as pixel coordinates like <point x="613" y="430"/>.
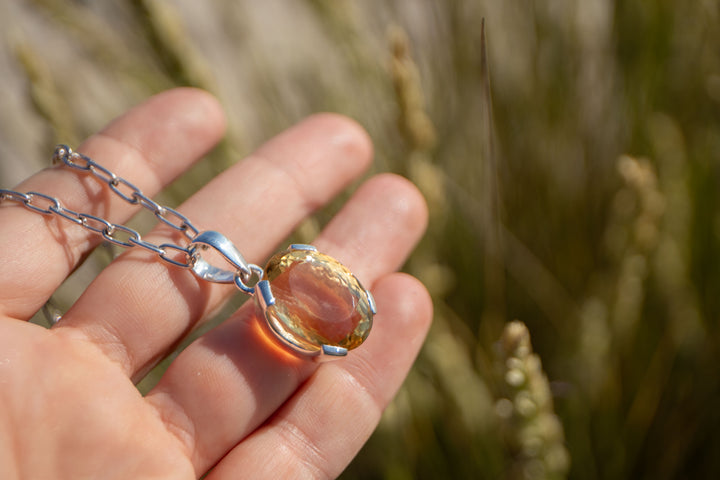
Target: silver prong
<point x="371" y="301"/>
<point x="334" y="351"/>
<point x="266" y="296"/>
<point x="302" y="246"/>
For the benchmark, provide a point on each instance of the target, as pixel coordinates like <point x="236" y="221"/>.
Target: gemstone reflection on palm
<point x="313" y="303"/>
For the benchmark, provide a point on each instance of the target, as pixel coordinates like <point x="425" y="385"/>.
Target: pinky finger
<point x="322" y="427"/>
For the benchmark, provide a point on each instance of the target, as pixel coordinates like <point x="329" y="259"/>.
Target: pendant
<point x="310" y="302"/>
<point x="313" y="304"/>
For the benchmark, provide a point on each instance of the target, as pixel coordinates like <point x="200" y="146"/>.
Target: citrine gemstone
<point x="317" y="301"/>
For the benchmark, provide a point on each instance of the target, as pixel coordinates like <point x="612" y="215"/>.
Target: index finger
<point x="152" y="144"/>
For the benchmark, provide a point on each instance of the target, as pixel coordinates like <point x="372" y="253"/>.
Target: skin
<point x="233" y="403"/>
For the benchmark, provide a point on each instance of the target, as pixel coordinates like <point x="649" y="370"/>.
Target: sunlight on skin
<point x="68" y="406"/>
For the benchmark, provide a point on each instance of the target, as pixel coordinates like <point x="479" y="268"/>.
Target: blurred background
<point x="571" y="163"/>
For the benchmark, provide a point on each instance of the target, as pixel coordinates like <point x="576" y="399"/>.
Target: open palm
<point x="232" y="403"/>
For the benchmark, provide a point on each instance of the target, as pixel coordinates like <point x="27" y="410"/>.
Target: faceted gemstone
<point x="318" y="301"/>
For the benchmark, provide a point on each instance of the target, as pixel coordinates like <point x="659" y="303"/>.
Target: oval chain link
<point x="177" y="255"/>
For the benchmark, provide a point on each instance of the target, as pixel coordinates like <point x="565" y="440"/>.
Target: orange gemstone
<point x="317" y="301"/>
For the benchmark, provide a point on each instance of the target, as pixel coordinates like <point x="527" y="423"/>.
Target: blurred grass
<point x="582" y="200"/>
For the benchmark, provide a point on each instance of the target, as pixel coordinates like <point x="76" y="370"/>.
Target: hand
<point x="232" y="401"/>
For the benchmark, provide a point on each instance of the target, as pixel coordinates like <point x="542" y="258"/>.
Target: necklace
<point x="310" y="302"/>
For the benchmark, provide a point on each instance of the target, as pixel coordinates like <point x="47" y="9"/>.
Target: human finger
<point x="150" y="144"/>
<point x="224" y="385"/>
<point x="325" y="423"/>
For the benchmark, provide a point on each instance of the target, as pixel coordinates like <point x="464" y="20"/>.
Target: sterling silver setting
<point x="265" y="299"/>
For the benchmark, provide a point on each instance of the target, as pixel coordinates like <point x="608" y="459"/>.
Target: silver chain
<point x="127" y="237"/>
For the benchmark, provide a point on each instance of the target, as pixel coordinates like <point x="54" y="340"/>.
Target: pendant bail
<point x="221" y="244"/>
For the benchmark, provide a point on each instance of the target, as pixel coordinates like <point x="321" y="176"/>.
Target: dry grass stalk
<point x="166" y="33"/>
<point x="642" y="199"/>
<point x="48" y="102"/>
<point x="532" y="431"/>
<point x="414" y="122"/>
